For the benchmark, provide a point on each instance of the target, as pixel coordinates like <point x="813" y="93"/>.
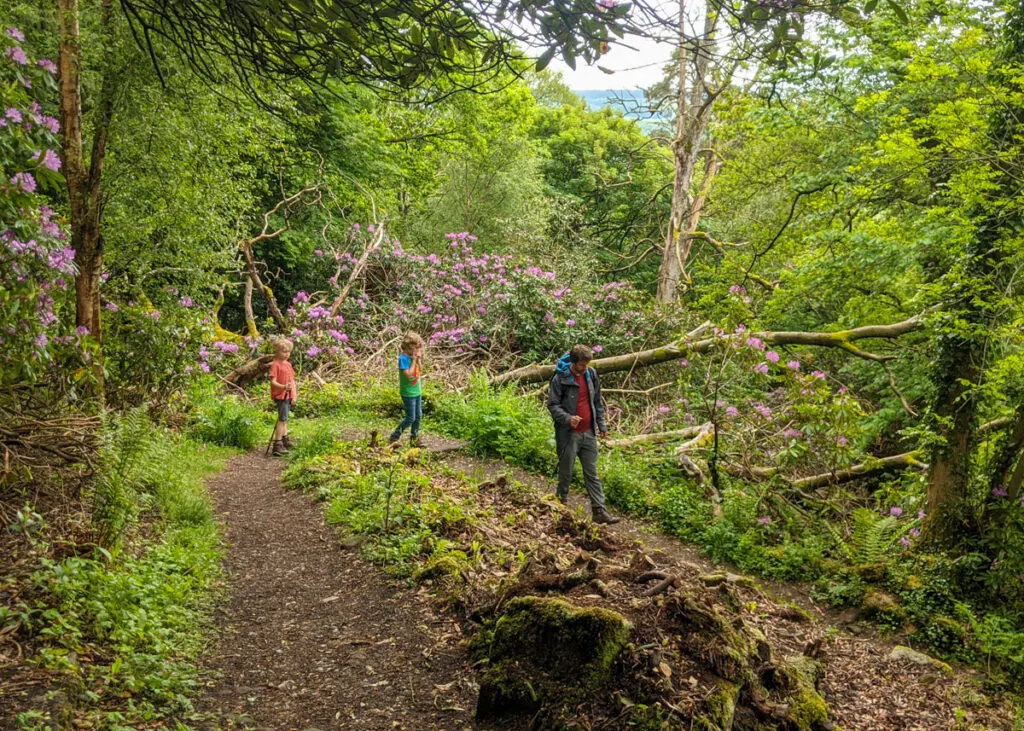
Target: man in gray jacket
<point x="574" y="400"/>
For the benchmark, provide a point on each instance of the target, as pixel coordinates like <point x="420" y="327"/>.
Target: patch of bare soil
<point x="314" y="636"/>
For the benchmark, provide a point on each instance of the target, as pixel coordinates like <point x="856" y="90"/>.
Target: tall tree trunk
<point x="974" y="293"/>
<point x="693" y="113"/>
<point x="83" y="181"/>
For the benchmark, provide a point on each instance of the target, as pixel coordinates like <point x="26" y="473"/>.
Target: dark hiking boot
<point x="279" y="449"/>
<point x="288" y="443"/>
<point x="563" y="499"/>
<point x="394" y="438"/>
<point x="603" y="516"/>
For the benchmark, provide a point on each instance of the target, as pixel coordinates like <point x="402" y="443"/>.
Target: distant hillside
<point x="630" y="102"/>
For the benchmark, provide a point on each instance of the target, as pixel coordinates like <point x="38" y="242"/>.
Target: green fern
<point x="125" y="462"/>
<point x="872" y="539"/>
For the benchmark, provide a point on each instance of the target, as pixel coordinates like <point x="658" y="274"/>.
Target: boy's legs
<point x="417" y="416"/>
<point x="588" y="460"/>
<point x="566" y="462"/>
<point x="410" y="414"/>
<point x="281" y="427"/>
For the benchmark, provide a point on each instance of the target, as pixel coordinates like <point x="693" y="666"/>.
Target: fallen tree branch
<point x="657" y="438"/>
<point x="637" y="391"/>
<point x="359" y="267"/>
<point x="686" y="346"/>
<point x="865" y="469"/>
<point x="246" y="374"/>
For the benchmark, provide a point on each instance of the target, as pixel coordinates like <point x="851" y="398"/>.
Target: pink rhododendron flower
<point x="793" y="365"/>
<point x="47" y="65"/>
<point x="895" y="511"/>
<point x="17" y="55"/>
<point x="771" y="356"/>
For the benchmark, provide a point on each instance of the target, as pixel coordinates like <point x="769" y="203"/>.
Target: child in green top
<point x="409" y="386"/>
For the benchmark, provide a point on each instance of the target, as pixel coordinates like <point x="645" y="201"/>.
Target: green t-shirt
<point x="408" y="387"/>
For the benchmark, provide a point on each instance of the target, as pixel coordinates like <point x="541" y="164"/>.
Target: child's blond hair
<point x="411" y="341"/>
<point x="282" y="345"/>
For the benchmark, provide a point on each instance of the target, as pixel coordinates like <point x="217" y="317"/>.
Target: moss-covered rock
<point x="439" y="567"/>
<point x="721" y="705"/>
<point x="801" y="676"/>
<point x="882" y="607"/>
<point x="547" y="653"/>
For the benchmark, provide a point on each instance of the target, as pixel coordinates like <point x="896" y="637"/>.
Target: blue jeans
<point x="413" y="416"/>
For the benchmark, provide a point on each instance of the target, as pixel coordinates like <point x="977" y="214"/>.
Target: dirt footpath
<point x="315" y="637"/>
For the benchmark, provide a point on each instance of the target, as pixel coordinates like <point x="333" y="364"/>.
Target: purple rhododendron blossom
<point x="186" y="302"/>
<point x="313" y="351"/>
<point x="771" y="356"/>
<point x="895" y="511"/>
<point x="16" y="34"/>
<point x="761" y="368"/>
<point x="50" y="161"/>
<point x="764" y="520"/>
<point x="111" y="307"/>
<point x="14" y="115"/>
<point x="819" y="374"/>
<point x="597" y="349"/>
<point x="732" y="412"/>
<point x="792" y="433"/>
<point x="81" y="331"/>
<point x="25" y="181"/>
<point x="47" y="65"/>
<point x="18" y="56"/>
<point x="905" y="542"/>
<point x="1000" y="491"/>
<point x="793" y="365"/>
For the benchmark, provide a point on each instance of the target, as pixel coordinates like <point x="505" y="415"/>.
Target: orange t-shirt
<point x="282" y="372"/>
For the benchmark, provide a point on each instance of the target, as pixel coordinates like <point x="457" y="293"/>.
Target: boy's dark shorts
<point x="284" y="407"/>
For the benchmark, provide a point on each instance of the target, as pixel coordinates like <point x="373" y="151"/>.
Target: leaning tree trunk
<point x="687" y="346"/>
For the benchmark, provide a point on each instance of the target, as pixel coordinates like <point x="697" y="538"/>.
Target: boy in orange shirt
<point x="284" y="392"/>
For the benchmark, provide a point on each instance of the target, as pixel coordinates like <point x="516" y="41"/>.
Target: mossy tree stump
<point x="548" y="654"/>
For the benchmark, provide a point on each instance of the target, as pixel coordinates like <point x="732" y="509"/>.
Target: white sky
<point x="634" y="67"/>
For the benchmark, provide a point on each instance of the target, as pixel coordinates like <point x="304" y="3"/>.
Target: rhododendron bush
<point x="468" y="306"/>
<point x="36" y="263"/>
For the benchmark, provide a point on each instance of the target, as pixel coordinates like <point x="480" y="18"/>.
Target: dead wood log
<point x="865" y="469"/>
<point x="662" y="586"/>
<point x="359" y="267"/>
<point x="657" y="438"/>
<point x="246" y="374"/>
<point x="686" y="346"/>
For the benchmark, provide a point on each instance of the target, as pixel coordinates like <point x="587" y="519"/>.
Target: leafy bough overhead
<point x="688" y="346"/>
<point x="383" y="44"/>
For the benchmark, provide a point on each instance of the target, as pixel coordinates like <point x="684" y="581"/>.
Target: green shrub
<point x="626" y="484"/>
<point x="137" y="616"/>
<point x="502" y="423"/>
<point x="684" y="512"/>
<point x="228" y="422"/>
